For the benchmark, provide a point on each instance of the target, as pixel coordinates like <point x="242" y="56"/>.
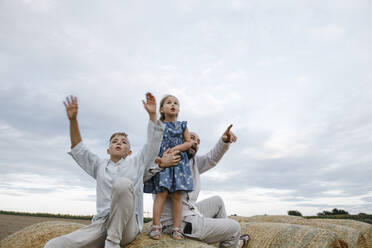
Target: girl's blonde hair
<point x="162" y="115"/>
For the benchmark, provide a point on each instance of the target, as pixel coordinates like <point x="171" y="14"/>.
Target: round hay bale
<point x="37" y="235"/>
<point x="353" y="237"/>
<point x="345" y="234"/>
<point x="144" y="241"/>
<point x="284" y="235"/>
<point x="268" y="218"/>
<point x="364" y="228"/>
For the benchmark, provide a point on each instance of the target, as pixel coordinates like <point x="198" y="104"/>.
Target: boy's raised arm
<point x="151" y="149"/>
<point x="150" y="106"/>
<point x="87" y="160"/>
<point x="71" y="106"/>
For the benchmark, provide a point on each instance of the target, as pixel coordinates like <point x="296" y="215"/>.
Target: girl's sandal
<point x="176" y="233"/>
<point x="245" y="239"/>
<point x="155" y="232"/>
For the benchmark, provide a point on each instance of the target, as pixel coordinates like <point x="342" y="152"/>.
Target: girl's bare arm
<point x="186" y="145"/>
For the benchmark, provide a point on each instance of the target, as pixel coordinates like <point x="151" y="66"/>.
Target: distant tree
<point x="336" y="211"/>
<point x="294" y="213"/>
<point x="325" y="212"/>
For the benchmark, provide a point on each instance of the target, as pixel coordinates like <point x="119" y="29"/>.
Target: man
<point x="205" y="220"/>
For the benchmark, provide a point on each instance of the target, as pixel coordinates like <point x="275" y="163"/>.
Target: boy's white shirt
<point x="132" y="167"/>
<point x="198" y="165"/>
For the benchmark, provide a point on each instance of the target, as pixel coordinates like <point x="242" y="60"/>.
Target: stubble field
<point x="12" y="223"/>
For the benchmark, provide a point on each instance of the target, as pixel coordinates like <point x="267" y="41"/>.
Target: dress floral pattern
<point x="177" y="177"/>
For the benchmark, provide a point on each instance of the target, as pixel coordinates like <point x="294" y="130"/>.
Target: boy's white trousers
<point x="120" y="227"/>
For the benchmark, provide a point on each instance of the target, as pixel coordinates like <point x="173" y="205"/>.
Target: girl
<point x="171" y="180"/>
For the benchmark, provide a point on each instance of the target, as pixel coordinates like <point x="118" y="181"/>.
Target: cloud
<point x="328" y="33"/>
<point x="292" y="76"/>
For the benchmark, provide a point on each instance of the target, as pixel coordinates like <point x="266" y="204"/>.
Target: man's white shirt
<point x="198" y="165"/>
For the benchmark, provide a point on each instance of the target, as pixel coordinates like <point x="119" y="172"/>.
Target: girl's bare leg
<point x="177" y="208"/>
<point x="158" y="207"/>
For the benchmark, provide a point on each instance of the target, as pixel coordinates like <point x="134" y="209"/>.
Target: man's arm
<point x="71" y="106"/>
<point x="87" y="160"/>
<point x="210" y="159"/>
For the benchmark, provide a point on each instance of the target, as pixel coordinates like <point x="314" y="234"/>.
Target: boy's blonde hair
<point x="162" y="116"/>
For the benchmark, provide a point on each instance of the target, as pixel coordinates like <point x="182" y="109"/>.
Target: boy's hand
<point x="150" y="106"/>
<point x="228" y="136"/>
<point x="71" y="106"/>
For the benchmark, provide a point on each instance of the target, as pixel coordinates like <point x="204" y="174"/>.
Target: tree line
<point x="335" y="214"/>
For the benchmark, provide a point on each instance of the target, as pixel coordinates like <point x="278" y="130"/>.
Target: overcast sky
<point x="293" y="77"/>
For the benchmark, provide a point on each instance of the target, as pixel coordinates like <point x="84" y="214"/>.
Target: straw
<point x="144" y="241"/>
<point x="265" y="232"/>
<point x="273" y="235"/>
<point x="37" y="235"/>
<point x="268" y="218"/>
<point x="346" y="232"/>
<point x="364" y="228"/>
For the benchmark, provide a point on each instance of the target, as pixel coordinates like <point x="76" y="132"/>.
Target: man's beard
<point x="191" y="153"/>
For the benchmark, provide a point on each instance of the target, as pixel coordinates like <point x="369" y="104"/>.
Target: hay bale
<point x="317" y="233"/>
<point x="144" y="241"/>
<point x="354" y="237"/>
<point x="284" y="235"/>
<point x="37" y="235"/>
<point x="268" y="218"/>
<point x="364" y="228"/>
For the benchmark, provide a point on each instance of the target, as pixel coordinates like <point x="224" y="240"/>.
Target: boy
<point x="119" y="186"/>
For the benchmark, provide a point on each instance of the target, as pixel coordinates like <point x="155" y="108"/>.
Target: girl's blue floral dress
<point x="172" y="178"/>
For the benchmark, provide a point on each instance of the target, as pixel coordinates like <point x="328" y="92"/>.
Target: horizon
<point x="150" y="217"/>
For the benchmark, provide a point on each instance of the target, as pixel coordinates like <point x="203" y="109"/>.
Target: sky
<point x="293" y="77"/>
